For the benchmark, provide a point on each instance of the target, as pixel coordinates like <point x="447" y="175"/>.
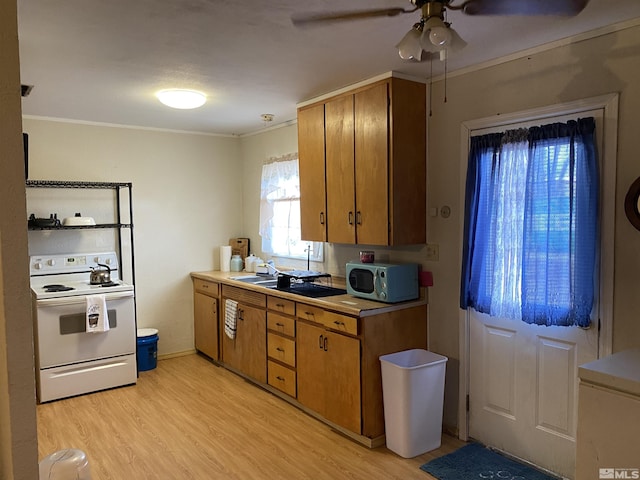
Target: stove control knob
<point x="97" y="260"/>
<point x="37" y="266"/>
<point x="107" y="261"/>
<point x="51" y="262"/>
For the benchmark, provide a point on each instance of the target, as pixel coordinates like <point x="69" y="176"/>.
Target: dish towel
<point x="97" y="319"/>
<point x="230" y="318"/>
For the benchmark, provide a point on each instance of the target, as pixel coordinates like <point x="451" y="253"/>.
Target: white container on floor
<point x="68" y="464"/>
<point x="413" y="395"/>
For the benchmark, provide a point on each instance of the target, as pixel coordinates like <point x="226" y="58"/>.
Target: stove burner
<point x="57" y="288"/>
<point x="109" y="284"/>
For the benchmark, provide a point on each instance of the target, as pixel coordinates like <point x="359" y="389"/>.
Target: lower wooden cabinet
<point x="322" y="360"/>
<point x="205" y="318"/>
<point x="281" y="345"/>
<point x="247" y="352"/>
<point x="329" y="375"/>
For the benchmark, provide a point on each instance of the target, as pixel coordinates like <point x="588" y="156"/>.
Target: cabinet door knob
<point x="326" y="342"/>
<point x="320" y="341"/>
<point x="321" y="218"/>
<point x="350" y="219"/>
<point x="359" y="217"/>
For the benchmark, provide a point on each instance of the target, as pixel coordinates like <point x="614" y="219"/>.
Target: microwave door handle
<point x="376" y="283"/>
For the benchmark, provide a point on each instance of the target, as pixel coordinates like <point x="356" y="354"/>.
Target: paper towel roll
<point x="225" y="258"/>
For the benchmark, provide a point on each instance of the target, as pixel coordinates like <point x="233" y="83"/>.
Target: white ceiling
<point x="102" y="61"/>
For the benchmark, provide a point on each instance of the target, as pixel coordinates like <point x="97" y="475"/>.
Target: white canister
<point x="249" y="263"/>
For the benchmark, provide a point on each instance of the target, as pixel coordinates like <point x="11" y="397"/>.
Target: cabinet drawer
<point x="208" y="288"/>
<point x="332" y="320"/>
<point x="281" y="305"/>
<point x="282" y="349"/>
<point x="282" y="378"/>
<point x="281" y="324"/>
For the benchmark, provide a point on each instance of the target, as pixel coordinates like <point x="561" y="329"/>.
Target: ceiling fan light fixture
<point x="440" y="36"/>
<point x="409" y="47"/>
<point x="181" y="98"/>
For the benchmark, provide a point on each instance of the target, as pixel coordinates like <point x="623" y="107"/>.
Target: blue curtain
<point x="531" y="224"/>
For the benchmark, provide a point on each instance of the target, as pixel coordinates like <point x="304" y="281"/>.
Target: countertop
<point x="620" y="371"/>
<point x="346" y="304"/>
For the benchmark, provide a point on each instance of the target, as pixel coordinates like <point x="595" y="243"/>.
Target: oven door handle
<point x="81" y="299"/>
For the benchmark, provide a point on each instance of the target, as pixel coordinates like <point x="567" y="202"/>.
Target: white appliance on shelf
<point x="69" y="360"/>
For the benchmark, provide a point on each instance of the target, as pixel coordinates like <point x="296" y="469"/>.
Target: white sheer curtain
<point x="279" y="194"/>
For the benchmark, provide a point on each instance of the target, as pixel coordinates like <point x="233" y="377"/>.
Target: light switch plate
<point x="433" y="252"/>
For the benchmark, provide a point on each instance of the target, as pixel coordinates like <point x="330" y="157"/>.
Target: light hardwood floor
<point x="190" y="419"/>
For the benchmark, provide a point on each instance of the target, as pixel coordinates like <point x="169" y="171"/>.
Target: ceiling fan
<point x="432" y="33"/>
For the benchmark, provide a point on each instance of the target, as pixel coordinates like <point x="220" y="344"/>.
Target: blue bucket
<point x="147" y="351"/>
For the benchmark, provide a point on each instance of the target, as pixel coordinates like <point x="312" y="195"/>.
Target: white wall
<point x="186" y="199"/>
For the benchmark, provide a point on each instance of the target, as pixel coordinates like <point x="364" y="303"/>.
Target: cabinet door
<point x="329" y="375"/>
<point x="247" y="352"/>
<point x="205" y="324"/>
<point x="341" y="227"/>
<point x="342" y="381"/>
<point x="310" y="363"/>
<point x="311" y="163"/>
<point x="372" y="165"/>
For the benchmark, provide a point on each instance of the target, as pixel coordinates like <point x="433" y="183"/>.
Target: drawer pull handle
<point x="337" y="322"/>
<point x="280" y="305"/>
<point x="309" y="314"/>
<point x="280" y="349"/>
<point x="280" y="378"/>
<point x="278" y="324"/>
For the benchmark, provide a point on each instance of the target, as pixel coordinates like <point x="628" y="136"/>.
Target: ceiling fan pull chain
<point x="430" y="82"/>
<point x="445" y="78"/>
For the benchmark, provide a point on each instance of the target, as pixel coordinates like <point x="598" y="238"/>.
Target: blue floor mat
<point x="474" y="462"/>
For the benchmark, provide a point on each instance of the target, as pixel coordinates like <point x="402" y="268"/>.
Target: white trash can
<point x="413" y="395"/>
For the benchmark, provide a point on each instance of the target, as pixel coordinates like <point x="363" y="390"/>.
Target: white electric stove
<point x="69" y="360"/>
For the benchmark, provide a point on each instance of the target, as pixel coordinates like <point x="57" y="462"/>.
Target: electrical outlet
<point x="433" y="252"/>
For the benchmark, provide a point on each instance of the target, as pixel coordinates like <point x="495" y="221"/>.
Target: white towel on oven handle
<point x="230" y="318"/>
<point x="97" y="318"/>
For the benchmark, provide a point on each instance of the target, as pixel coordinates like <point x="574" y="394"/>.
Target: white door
<point x="523" y="379"/>
<point x="523" y="388"/>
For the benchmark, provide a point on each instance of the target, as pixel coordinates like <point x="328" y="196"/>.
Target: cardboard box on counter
<point x="239" y="246"/>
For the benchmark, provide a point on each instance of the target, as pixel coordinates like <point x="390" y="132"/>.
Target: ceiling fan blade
<point x="304" y="19"/>
<point x="524" y="7"/>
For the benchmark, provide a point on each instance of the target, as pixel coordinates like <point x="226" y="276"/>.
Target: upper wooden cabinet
<point x="311" y="161"/>
<point x="368" y="161"/>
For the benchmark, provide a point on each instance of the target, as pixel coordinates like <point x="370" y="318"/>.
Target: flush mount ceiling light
<point x="181" y="98"/>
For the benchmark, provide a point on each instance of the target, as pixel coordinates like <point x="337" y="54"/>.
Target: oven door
<point x="61" y="336"/>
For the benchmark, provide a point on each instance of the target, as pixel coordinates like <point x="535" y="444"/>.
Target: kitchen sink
<point x="256" y="280"/>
